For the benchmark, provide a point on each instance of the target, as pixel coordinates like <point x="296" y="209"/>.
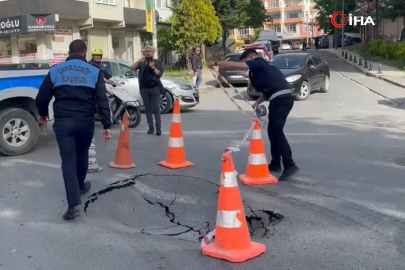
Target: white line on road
<point x="158" y="194"/>
<point x="30" y="162"/>
<point x="216" y="132"/>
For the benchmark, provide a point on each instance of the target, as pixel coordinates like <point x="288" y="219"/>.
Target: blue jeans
<point x="199" y="77"/>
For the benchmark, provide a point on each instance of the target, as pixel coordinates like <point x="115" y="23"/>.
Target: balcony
<point x="108" y="10"/>
<point x="65" y="8"/>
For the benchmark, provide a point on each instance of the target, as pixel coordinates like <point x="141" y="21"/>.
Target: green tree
<point x="256" y="13"/>
<point x="325" y="10"/>
<point x="174" y="5"/>
<point x="164" y="40"/>
<point x="232" y="14"/>
<point x="193" y="24"/>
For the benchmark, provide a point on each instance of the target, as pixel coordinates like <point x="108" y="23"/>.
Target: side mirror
<point x="310" y="67"/>
<point x="130" y="74"/>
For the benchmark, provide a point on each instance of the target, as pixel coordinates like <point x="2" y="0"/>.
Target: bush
<point x="374" y="46"/>
<point x="387" y="49"/>
<point x="400" y="50"/>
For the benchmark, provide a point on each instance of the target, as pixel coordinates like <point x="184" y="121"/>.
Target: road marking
<point x="29" y="162"/>
<point x="237" y="132"/>
<point x="158" y="194"/>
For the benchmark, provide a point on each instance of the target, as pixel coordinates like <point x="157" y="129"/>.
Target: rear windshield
<point x="25" y="66"/>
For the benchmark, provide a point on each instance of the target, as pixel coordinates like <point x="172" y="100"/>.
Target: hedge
<point x="387" y="49"/>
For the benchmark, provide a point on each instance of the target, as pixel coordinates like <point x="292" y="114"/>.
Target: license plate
<point x="236" y="77"/>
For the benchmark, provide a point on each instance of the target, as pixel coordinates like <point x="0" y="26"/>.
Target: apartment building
<point x="118" y="27"/>
<point x="293" y="20"/>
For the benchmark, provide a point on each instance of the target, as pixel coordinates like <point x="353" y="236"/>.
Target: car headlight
<point x="293" y="78"/>
<point x="183" y="86"/>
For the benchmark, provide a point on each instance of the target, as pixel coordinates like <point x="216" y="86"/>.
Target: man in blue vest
<point x="77" y="87"/>
<point x="271" y="82"/>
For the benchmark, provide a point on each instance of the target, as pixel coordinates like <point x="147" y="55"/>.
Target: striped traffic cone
<point x="257" y="170"/>
<point x="232" y="239"/>
<point x="176" y="154"/>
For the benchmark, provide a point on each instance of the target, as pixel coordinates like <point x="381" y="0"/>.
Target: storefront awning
<point x="27" y="24"/>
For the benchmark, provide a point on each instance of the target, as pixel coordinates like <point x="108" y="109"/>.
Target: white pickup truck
<point x="19" y="84"/>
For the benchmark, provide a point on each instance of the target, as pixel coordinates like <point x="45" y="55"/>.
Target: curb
<point x="365" y="72"/>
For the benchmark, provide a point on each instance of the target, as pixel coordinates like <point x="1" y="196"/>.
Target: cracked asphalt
<point x="344" y="210"/>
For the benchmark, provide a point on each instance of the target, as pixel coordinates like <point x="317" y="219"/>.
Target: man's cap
<point x="246" y="53"/>
<point x="198" y="49"/>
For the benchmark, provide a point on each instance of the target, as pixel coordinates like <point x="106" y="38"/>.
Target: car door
<point x="311" y="72"/>
<point x="318" y="72"/>
<point x="131" y="81"/>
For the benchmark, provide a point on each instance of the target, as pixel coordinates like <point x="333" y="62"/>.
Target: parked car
<point x="304" y="73"/>
<point x="285" y="47"/>
<point x="349" y="41"/>
<point x="271" y="45"/>
<point x="296" y="46"/>
<point x="187" y="91"/>
<point x="232" y="75"/>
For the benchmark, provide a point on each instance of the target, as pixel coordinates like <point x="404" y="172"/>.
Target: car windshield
<point x="288" y="61"/>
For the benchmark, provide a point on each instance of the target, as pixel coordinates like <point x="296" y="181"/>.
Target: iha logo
<point x="41" y="20"/>
<point x="352" y="20"/>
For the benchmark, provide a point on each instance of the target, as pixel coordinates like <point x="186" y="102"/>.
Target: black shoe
<point x="71" y="213"/>
<point x="151" y="130"/>
<point x="87" y="187"/>
<point x="288" y="172"/>
<point x="274" y="168"/>
<point x="158" y="131"/>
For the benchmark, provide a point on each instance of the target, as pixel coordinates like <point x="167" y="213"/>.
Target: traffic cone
<point x="123" y="156"/>
<point x="257" y="170"/>
<point x="232" y="239"/>
<point x="176" y="154"/>
<point x="93" y="165"/>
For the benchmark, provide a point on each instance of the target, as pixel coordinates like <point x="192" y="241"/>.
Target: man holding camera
<point x="150" y="71"/>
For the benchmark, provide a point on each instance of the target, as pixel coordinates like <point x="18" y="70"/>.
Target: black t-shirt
<point x="266" y="78"/>
<point x="144" y="80"/>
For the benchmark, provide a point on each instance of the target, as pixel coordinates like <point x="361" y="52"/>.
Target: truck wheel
<point x="19" y="131"/>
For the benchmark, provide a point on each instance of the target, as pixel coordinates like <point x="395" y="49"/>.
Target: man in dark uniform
<point x="269" y="80"/>
<point x="77" y="87"/>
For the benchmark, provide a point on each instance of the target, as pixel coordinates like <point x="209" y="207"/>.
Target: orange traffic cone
<point x="232" y="239"/>
<point x="123" y="156"/>
<point x="257" y="170"/>
<point x="176" y="154"/>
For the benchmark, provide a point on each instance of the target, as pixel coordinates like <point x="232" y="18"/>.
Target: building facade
<point x="118" y="27"/>
<point x="293" y="20"/>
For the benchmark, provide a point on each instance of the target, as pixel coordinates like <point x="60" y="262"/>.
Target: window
<point x="231" y="32"/>
<point x="111" y="2"/>
<point x="276" y="28"/>
<point x="316" y="60"/>
<point x="27" y="44"/>
<point x="126" y="69"/>
<point x="310" y="62"/>
<point x="275" y="16"/>
<point x="293" y="15"/>
<point x="305" y="27"/>
<point x="244" y="31"/>
<point x="127" y="3"/>
<point x="291" y="28"/>
<point x="291" y="4"/>
<point x="274" y="4"/>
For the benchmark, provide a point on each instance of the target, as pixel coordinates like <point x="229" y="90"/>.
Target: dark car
<point x="233" y="75"/>
<point x="304" y="73"/>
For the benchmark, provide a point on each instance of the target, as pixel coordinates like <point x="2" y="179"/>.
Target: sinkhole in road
<point x="179" y="206"/>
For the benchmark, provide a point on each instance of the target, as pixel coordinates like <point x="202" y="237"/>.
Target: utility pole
<point x="154" y="35"/>
<point x="343" y="28"/>
<point x="376" y="20"/>
<point x="336" y="30"/>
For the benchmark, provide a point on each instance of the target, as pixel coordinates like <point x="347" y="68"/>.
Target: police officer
<point x="269" y="80"/>
<point x="96" y="56"/>
<point x="77" y="87"/>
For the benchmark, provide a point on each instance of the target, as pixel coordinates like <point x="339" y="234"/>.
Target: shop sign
<point x="5" y="60"/>
<point x="10" y="25"/>
<point x="28" y="56"/>
<point x="37" y="23"/>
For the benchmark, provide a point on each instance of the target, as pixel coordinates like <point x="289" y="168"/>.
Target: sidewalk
<point x="389" y="74"/>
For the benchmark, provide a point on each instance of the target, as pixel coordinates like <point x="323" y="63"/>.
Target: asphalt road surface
<point x="344" y="209"/>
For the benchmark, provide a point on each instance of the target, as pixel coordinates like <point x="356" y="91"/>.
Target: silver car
<point x="185" y="91"/>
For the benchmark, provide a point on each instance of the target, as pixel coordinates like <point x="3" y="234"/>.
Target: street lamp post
<point x="343" y="28"/>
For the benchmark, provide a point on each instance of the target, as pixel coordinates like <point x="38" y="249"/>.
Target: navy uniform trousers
<point x="74" y="140"/>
